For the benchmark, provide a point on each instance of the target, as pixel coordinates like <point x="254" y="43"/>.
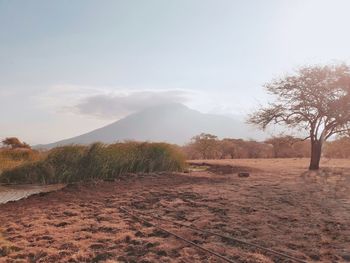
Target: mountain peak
<point x="169" y="106"/>
<point x="173" y="123"/>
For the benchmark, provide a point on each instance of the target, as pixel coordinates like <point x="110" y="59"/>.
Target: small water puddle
<point x="10" y="193"/>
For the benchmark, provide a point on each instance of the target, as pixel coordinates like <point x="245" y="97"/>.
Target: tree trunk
<point x="316" y="150"/>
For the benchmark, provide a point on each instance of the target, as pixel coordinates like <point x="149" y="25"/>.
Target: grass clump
<point x="98" y="161"/>
<point x="6" y="247"/>
<point x="11" y="158"/>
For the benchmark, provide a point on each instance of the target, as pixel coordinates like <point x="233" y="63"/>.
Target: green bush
<point x="29" y="173"/>
<point x="66" y="162"/>
<point x="85" y="163"/>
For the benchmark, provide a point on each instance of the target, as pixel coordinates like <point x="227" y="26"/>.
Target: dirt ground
<point x="279" y="206"/>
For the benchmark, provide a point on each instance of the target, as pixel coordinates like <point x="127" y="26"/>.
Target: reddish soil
<point x="278" y="206"/>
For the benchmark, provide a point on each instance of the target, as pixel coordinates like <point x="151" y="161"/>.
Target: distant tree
<point x="339" y="148"/>
<point x="316" y="98"/>
<point x="242" y="150"/>
<point x="228" y="148"/>
<point x="207" y="145"/>
<point x="14" y="143"/>
<point x="289" y="146"/>
<point x="258" y="149"/>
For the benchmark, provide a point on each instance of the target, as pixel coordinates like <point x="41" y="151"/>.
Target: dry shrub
<point x="83" y="163"/>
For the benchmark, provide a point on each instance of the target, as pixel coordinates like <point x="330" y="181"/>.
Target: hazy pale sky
<point x="67" y="67"/>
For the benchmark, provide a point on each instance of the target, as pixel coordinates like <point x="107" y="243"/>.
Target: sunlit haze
<point x="68" y="67"/>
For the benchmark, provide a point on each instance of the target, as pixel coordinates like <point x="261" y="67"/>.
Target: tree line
<point x="208" y="146"/>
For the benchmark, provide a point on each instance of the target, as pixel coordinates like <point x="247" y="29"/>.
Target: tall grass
<point x="85" y="163"/>
<point x="11" y="158"/>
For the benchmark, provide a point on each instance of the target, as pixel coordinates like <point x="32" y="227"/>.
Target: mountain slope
<point x="173" y="123"/>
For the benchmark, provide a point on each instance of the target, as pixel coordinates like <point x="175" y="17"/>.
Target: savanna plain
<point x="280" y="206"/>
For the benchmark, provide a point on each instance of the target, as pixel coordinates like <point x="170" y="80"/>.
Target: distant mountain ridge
<point x="173" y="123"/>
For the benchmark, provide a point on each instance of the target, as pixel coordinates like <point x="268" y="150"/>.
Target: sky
<point x="68" y="67"/>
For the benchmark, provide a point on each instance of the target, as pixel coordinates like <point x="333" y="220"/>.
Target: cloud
<point x="112" y="102"/>
<point x="112" y="105"/>
<point x="105" y="103"/>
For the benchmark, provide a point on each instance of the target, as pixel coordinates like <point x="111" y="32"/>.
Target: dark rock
<point x="243" y="174"/>
<point x="346" y="257"/>
<point x="162" y="253"/>
<point x="62" y="224"/>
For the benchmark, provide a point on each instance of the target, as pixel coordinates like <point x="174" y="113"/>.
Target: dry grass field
<point x="279" y="206"/>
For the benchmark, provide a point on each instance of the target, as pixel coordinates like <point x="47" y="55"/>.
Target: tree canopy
<point x="14" y="143"/>
<point x="315" y="98"/>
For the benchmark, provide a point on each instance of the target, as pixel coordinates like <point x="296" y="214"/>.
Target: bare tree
<point x="316" y="98"/>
